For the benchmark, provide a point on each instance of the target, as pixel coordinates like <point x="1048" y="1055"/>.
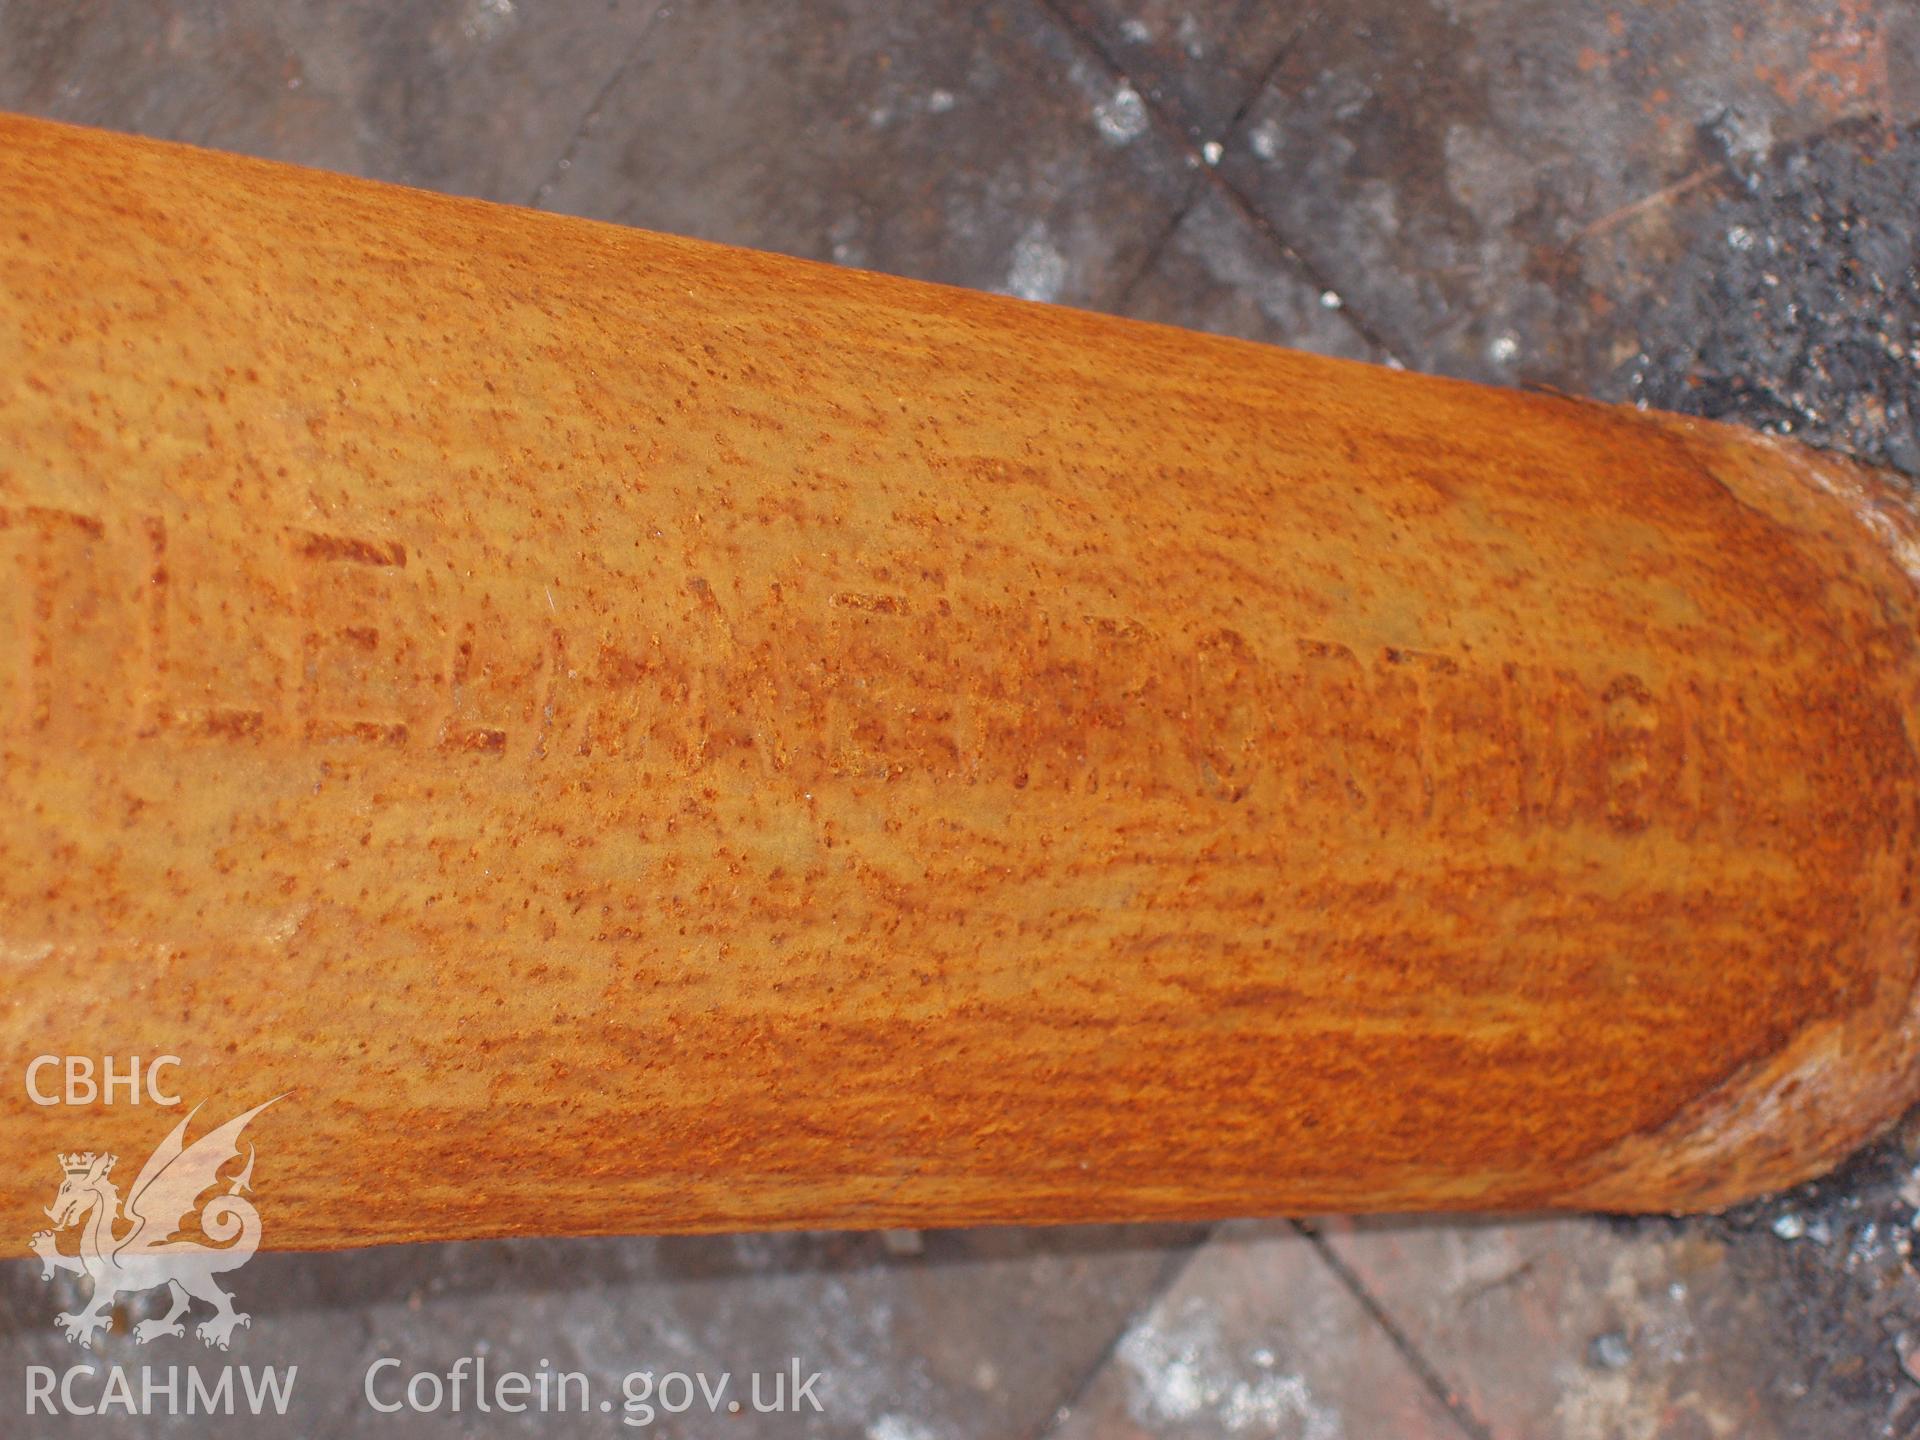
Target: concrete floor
<point x="1708" y="207"/>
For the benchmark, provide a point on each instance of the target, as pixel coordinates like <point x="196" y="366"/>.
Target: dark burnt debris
<point x="1796" y="308"/>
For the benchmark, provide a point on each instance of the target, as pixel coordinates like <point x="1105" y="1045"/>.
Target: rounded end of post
<point x="1842" y="1080"/>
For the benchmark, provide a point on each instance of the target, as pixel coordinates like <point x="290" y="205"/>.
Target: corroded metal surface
<point x="638" y="735"/>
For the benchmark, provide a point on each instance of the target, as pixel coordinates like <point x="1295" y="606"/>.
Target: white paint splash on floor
<point x="487" y="20"/>
<point x="1179" y="1369"/>
<point x="1038" y="271"/>
<point x="1122" y="117"/>
<point x="898" y="1427"/>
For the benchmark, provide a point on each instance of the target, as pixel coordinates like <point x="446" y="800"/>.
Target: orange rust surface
<point x="636" y="735"/>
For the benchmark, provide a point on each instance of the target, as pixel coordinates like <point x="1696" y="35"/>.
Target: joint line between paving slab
<point x="1185" y="208"/>
<point x="1313" y="274"/>
<point x="1170" y="1271"/>
<point x="594" y="107"/>
<point x="1430" y="1377"/>
<point x="1210" y="175"/>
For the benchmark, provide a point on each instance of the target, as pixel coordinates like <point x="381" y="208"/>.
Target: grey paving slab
<point x="1219" y="271"/>
<point x="476" y="97"/>
<point x="1201" y="61"/>
<point x="1257" y="1337"/>
<point x="1566" y="1329"/>
<point x="976" y="145"/>
<point x="982" y="1334"/>
<point x="1488" y="181"/>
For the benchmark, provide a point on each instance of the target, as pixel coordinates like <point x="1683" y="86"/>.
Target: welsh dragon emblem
<point x="139" y="1246"/>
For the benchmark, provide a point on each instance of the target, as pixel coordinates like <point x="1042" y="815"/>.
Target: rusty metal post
<point x="635" y="735"/>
